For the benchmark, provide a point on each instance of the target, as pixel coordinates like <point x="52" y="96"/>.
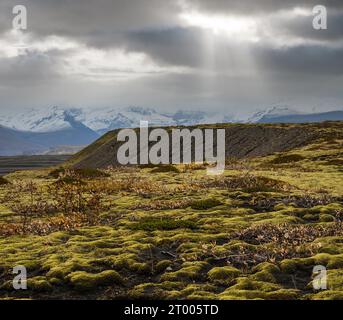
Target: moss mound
<point x="84" y="281"/>
<point x="163" y="224"/>
<point x="205" y="204"/>
<point x="223" y="274"/>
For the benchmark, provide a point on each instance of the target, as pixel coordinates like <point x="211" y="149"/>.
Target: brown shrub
<point x="250" y="183"/>
<point x="291" y="158"/>
<point x="3" y="181"/>
<point x="45" y="227"/>
<point x="290" y="235"/>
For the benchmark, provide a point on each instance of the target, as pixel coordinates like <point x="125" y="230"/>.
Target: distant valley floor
<point x="11" y="164"/>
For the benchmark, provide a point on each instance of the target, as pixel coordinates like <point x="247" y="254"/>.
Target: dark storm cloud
<point x="177" y="46"/>
<point x="310" y="60"/>
<point x="185" y="47"/>
<point x="102" y="23"/>
<point x="82" y="18"/>
<point x="154" y="27"/>
<point x="105" y="23"/>
<point x="33" y="68"/>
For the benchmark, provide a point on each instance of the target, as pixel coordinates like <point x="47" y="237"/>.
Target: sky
<point x="223" y="55"/>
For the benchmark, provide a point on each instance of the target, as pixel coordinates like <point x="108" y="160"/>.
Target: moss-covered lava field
<point x="173" y="232"/>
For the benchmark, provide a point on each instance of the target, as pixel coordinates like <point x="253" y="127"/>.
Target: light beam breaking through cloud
<point x="192" y="54"/>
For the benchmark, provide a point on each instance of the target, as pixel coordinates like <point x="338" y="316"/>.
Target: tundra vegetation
<point x="173" y="232"/>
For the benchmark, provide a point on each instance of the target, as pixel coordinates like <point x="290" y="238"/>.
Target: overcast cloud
<point x="226" y="55"/>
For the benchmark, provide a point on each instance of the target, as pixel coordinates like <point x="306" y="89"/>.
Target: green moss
<point x="58" y="268"/>
<point x="161" y="266"/>
<point x="150" y="224"/>
<point x="265" y="272"/>
<point x="189" y="271"/>
<point x="310" y="217"/>
<point x="253" y="285"/>
<point x="164" y="290"/>
<point x="39" y="284"/>
<point x="326" y="218"/>
<point x="335" y="279"/>
<point x="141" y="268"/>
<point x="84" y="281"/>
<point x="146" y="218"/>
<point x="165" y="169"/>
<point x="328" y="295"/>
<point x="284" y="294"/>
<point x="223" y="274"/>
<point x="56" y="281"/>
<point x="199" y="292"/>
<point x="202" y="295"/>
<point x="292" y="265"/>
<point x="330" y="245"/>
<point x="205" y="204"/>
<point x="257" y="290"/>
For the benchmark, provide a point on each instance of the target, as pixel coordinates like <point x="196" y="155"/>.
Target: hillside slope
<point x="241" y="141"/>
<point x="13" y="144"/>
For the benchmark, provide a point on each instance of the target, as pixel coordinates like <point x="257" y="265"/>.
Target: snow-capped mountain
<point x="101" y="120"/>
<point x="42" y="130"/>
<point x="198" y="117"/>
<point x="46" y="130"/>
<point x="270" y="113"/>
<point x="106" y="119"/>
<point x="39" y="120"/>
<point x="284" y="114"/>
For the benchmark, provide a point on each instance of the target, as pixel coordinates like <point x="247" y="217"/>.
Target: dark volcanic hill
<point x="241" y="141"/>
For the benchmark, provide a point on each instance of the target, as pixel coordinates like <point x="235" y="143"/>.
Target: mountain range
<point x="52" y="130"/>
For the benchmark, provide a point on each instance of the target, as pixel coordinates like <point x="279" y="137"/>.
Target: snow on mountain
<point x="272" y="112"/>
<point x="199" y="117"/>
<point x="105" y="119"/>
<point x="102" y="120"/>
<point x="46" y="130"/>
<point x="39" y="120"/>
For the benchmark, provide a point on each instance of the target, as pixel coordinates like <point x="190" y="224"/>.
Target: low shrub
<point x="84" y="173"/>
<point x="250" y="183"/>
<point x="290" y="235"/>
